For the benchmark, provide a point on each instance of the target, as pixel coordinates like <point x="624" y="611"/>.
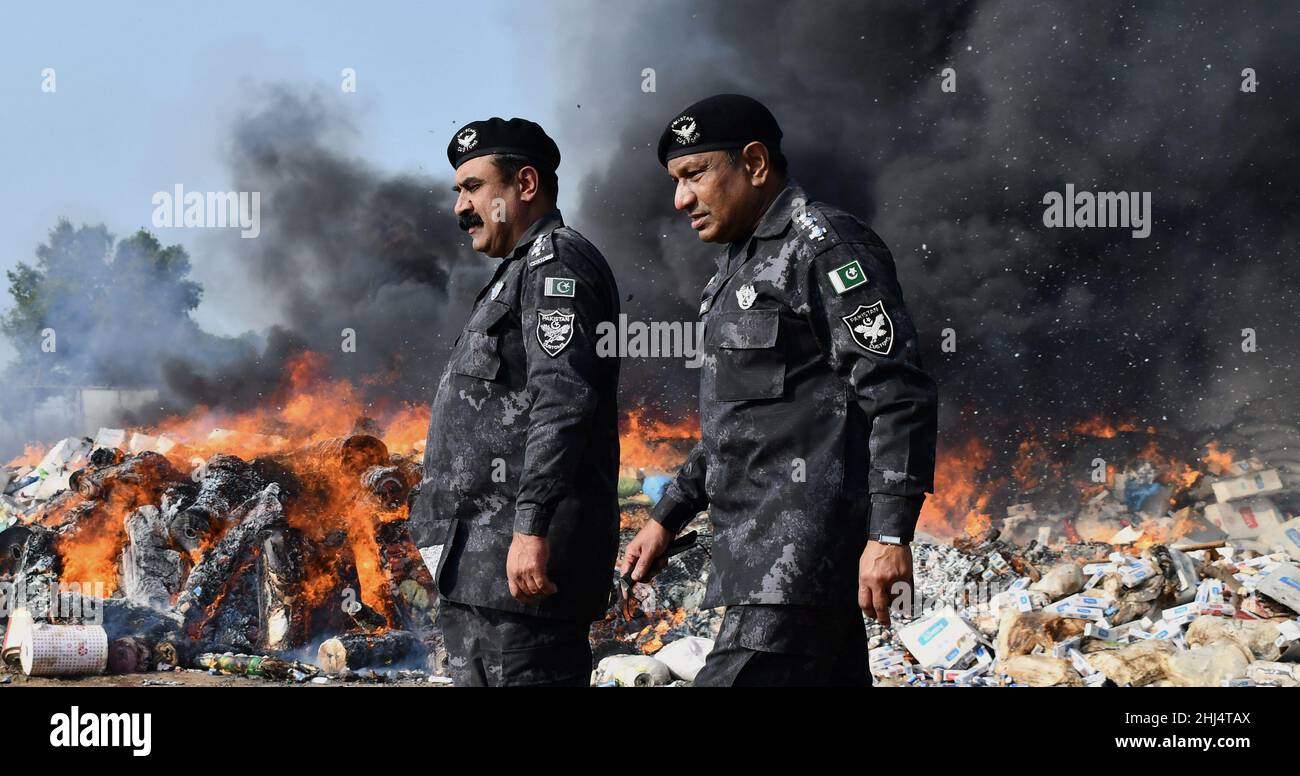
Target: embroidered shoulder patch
<point x="554" y="330"/>
<point x="871" y="328"/>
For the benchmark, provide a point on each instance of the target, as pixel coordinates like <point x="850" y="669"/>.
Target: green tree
<point x="106" y="301"/>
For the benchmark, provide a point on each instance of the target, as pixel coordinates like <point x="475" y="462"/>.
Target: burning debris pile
<point x="114" y="551"/>
<point x="1160" y="573"/>
<point x="243" y="553"/>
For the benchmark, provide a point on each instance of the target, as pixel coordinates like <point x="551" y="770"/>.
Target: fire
<point x="1217" y="460"/>
<point x="90" y="555"/>
<point x="339" y="517"/>
<point x="650" y="639"/>
<point x="307" y="407"/>
<point x="31" y="456"/>
<point x="1103" y="428"/>
<point x="407" y="428"/>
<point x="655" y="444"/>
<point x="90" y="552"/>
<point x="1164" y="531"/>
<point x="969" y="490"/>
<point x="960" y="499"/>
<point x="1023" y="471"/>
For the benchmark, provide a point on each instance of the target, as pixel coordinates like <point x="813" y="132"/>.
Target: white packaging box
<point x="1184" y="612"/>
<point x="938" y="639"/>
<point x="1283" y="586"/>
<point x="141" y="443"/>
<point x="1247" y="519"/>
<point x="1253" y="484"/>
<point x="111" y="437"/>
<point x="1285" y="535"/>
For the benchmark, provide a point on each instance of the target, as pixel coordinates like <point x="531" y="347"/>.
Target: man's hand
<point x="880" y="567"/>
<point x="644" y="555"/>
<point x="526" y="568"/>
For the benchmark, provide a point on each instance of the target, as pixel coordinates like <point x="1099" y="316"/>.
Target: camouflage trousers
<point x="793" y="646"/>
<point x="493" y="648"/>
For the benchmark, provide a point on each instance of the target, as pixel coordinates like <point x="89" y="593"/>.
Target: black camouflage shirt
<point x="817" y="422"/>
<point x="524" y="432"/>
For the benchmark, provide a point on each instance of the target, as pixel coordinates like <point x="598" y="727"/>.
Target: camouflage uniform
<point x="818" y="423"/>
<point x="523" y="435"/>
<point x="493" y="648"/>
<point x="761" y="646"/>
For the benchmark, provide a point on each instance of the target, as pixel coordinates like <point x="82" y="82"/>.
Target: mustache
<point x="468" y="221"/>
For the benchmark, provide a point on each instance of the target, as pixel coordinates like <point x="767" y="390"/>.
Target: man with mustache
<point x="817" y="422"/>
<point x="517" y="514"/>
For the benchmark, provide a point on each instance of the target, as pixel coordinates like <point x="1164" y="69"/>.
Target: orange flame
<point x="655" y="444"/>
<point x="960" y="500"/>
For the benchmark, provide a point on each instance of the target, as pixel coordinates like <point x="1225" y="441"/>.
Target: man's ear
<point x="757" y="163"/>
<point x="529" y="183"/>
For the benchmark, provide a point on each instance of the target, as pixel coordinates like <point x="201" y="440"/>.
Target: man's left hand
<point x="526" y="568"/>
<point x="881" y="566"/>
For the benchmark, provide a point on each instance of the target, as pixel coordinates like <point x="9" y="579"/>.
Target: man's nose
<point x="463" y="204"/>
<point x="684" y="198"/>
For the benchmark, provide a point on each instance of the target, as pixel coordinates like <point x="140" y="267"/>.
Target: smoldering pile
<point x="291" y="564"/>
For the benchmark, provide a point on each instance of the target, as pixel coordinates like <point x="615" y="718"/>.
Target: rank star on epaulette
<point x="808" y="222"/>
<point x="847" y="277"/>
<point x="537" y="254"/>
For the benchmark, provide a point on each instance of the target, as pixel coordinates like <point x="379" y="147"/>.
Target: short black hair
<point x="509" y="166"/>
<point x="774" y="155"/>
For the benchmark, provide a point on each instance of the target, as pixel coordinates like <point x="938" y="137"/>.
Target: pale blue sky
<point x="146" y="92"/>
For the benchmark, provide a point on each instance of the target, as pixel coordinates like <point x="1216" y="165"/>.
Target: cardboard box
<point x="1285" y="535"/>
<point x="111" y="437"/>
<point x="1283" y="586"/>
<point x="940" y="639"/>
<point x="1078" y="612"/>
<point x="1253" y="484"/>
<point x="141" y="443"/>
<point x="1247" y="519"/>
<point x="1133" y="575"/>
<point x="1242" y="467"/>
<point x="1181" y="615"/>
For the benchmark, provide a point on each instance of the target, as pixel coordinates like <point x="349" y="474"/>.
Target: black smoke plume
<point x="1051" y="325"/>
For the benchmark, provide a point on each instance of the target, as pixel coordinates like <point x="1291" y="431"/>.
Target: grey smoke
<point x="343" y="246"/>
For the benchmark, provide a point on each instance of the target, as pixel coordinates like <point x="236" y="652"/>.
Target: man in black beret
<point x="517" y="513"/>
<point x="818" y="423"/>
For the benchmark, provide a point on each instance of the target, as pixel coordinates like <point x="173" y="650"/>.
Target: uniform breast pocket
<point x="750" y="365"/>
<point x="479" y="355"/>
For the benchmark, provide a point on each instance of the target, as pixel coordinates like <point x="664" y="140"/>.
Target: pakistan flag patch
<point x="559" y="287"/>
<point x="848" y="277"/>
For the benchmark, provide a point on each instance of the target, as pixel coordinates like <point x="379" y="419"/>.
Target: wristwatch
<point x="886" y="539"/>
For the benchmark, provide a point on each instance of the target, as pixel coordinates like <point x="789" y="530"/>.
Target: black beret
<point x="498" y="136"/>
<point x="716" y="123"/>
